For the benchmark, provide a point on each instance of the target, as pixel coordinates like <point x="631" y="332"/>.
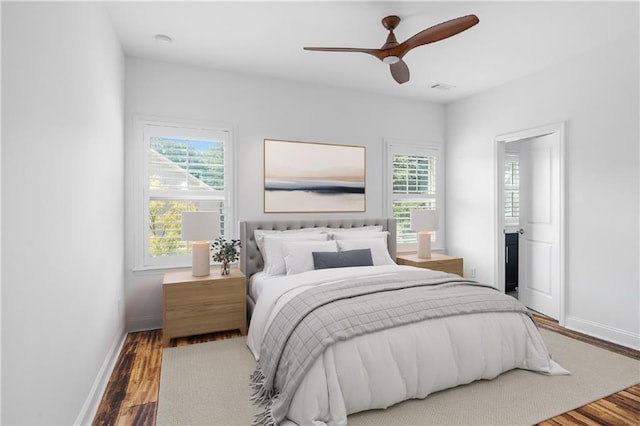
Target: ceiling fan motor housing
<point x="390" y="22"/>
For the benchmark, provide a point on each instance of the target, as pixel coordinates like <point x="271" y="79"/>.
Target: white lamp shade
<point x="200" y="226"/>
<point x="424" y="220"/>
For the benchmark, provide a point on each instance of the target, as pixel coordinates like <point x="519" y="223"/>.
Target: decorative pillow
<point x="298" y="256"/>
<point x="342" y="259"/>
<point x="359" y="235"/>
<point x="272" y="250"/>
<point x="378" y="246"/>
<point x="259" y="234"/>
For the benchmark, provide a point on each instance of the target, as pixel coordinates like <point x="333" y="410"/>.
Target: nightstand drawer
<point x="204" y="309"/>
<point x="437" y="262"/>
<point x="205" y="293"/>
<point x="453" y="266"/>
<point x="189" y="320"/>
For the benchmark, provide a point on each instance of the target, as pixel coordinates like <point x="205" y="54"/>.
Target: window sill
<point x="161" y="269"/>
<point x="155" y="270"/>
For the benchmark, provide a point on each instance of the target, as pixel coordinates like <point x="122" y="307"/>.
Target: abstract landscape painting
<point x="313" y="177"/>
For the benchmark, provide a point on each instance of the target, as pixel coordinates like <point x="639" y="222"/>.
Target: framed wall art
<point x="305" y="177"/>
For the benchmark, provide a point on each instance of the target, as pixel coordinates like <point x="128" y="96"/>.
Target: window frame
<point x="142" y="194"/>
<point x="417" y="148"/>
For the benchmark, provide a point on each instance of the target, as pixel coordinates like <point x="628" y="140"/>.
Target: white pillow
<point x="298" y="256"/>
<point x="259" y="234"/>
<point x="359" y="235"/>
<point x="272" y="250"/>
<point x="378" y="246"/>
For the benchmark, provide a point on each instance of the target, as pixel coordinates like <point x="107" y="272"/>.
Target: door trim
<point x="498" y="212"/>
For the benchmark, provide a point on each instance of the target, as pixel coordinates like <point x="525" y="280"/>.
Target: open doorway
<point x="529" y="218"/>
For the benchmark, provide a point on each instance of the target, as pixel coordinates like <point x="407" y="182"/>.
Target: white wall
<point x="597" y="95"/>
<point x="62" y="209"/>
<point x="262" y="108"/>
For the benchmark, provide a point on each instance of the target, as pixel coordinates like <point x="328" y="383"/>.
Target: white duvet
<point x="383" y="368"/>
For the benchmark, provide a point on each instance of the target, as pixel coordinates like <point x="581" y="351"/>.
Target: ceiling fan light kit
<point x="390" y="60"/>
<point x="392" y="52"/>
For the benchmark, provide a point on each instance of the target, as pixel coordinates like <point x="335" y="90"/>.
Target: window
<point x="511" y="189"/>
<point x="414" y="182"/>
<point x="185" y="168"/>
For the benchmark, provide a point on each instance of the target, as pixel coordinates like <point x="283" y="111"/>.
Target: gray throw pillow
<point x="342" y="259"/>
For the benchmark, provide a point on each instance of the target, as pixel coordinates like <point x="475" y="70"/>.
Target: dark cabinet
<point x="511" y="261"/>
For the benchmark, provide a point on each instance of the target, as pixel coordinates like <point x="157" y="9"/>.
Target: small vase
<point x="224" y="268"/>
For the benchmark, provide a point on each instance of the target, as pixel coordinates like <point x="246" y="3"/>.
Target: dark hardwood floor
<point x="132" y="393"/>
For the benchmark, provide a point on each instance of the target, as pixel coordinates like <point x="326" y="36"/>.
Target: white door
<point x="539" y="243"/>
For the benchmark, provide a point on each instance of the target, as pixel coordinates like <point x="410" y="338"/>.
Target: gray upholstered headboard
<point x="251" y="259"/>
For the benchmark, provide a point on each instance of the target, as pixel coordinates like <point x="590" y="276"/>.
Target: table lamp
<point x="200" y="227"/>
<point x="423" y="221"/>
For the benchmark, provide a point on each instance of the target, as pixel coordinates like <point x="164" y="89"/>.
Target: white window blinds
<point x="511" y="189"/>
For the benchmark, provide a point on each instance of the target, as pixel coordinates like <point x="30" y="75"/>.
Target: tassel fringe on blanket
<point x="263" y="398"/>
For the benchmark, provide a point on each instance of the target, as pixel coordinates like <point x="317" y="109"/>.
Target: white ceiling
<point x="512" y="40"/>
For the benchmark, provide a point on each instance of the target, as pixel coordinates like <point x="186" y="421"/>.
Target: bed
<point x="337" y="327"/>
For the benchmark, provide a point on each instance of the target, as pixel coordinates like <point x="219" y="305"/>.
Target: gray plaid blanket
<point x="323" y="315"/>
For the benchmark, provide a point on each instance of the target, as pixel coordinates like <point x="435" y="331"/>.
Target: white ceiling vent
<point x="442" y="86"/>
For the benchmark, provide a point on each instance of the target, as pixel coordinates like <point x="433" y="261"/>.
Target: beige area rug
<point x="207" y="384"/>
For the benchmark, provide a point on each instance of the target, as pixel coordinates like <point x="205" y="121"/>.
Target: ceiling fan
<point x="392" y="52"/>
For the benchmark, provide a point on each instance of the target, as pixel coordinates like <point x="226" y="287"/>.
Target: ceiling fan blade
<point x="400" y="71"/>
<point x="437" y="33"/>
<point x="378" y="53"/>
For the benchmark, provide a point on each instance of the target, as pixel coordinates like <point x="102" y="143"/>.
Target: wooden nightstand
<point x="197" y="305"/>
<point x="437" y="262"/>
